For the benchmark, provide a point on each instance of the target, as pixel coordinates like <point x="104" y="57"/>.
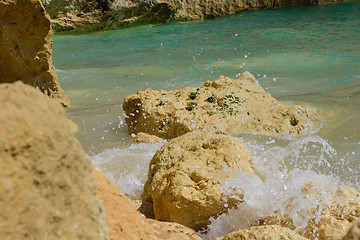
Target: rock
<point x="338" y="216"/>
<point x="112" y="14"/>
<point x="223" y="106"/>
<point x="127" y="223"/>
<point x="146" y="138"/>
<point x="26" y="47"/>
<point x="183" y="181"/>
<point x="335" y="217"/>
<point x="354" y="231"/>
<point x="269" y="232"/>
<point x="47" y="189"/>
<point x="74" y="128"/>
<point x="67" y="15"/>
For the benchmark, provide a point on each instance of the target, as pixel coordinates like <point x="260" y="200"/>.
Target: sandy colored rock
<point x="147" y="138"/>
<point x="74" y="128"/>
<point x="47" y="189"/>
<point x="127" y="223"/>
<point x="269" y="232"/>
<point x="335" y="218"/>
<point x="183" y="181"/>
<point x="224" y="106"/>
<point x="111" y="14"/>
<point x="26" y="47"/>
<point x="354" y="231"/>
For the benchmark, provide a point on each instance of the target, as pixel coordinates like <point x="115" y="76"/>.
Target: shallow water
<point x="303" y="55"/>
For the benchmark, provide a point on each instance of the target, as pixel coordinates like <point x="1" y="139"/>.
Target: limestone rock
<point x="127" y="223"/>
<point x="269" y="232"/>
<point x="183" y="181"/>
<point x="335" y="218"/>
<point x="47" y="189"/>
<point x="354" y="231"/>
<point x="146" y="138"/>
<point x="223" y="106"/>
<point x="112" y="14"/>
<point x="26" y="47"/>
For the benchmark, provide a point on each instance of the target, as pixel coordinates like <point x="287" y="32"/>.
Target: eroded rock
<point x="183" y="182"/>
<point x="127" y="223"/>
<point x="331" y="220"/>
<point x="269" y="232"/>
<point x="47" y="189"/>
<point x="112" y="14"/>
<point x="26" y="47"/>
<point x="223" y="106"/>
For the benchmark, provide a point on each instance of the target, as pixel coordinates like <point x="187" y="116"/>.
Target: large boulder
<point x="47" y="189"/>
<point x="224" y="106"/>
<point x="183" y="181"/>
<point x="269" y="232"/>
<point x="127" y="223"/>
<point x="26" y="47"/>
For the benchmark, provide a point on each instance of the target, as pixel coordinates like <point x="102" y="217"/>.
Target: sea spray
<point x="128" y="167"/>
<point x="293" y="178"/>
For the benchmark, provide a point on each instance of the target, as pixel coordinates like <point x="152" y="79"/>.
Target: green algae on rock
<point x="223" y="106"/>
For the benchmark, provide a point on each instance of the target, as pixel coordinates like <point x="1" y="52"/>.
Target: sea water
<point x="302" y="55"/>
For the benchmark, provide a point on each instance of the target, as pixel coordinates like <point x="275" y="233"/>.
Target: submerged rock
<point x="26" y="47"/>
<point x="183" y="181"/>
<point x="269" y="232"/>
<point x="47" y="189"/>
<point x="223" y="106"/>
<point x="127" y="223"/>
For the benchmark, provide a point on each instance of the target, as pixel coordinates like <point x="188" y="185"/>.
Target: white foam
<point x="285" y="166"/>
<point x="128" y="167"/>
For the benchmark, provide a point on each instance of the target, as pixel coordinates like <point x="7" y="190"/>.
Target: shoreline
<point x="69" y="18"/>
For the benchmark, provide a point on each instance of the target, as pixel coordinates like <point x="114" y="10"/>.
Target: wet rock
<point x="269" y="232"/>
<point x="127" y="223"/>
<point x="183" y="182"/>
<point x="224" y="106"/>
<point x="354" y="231"/>
<point x="146" y="138"/>
<point x="332" y="219"/>
<point x="47" y="189"/>
<point x="26" y="47"/>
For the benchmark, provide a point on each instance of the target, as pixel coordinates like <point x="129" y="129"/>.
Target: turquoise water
<point x="303" y="55"/>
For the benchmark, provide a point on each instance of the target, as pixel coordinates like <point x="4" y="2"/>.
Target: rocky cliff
<point x="111" y="14"/>
<point x="26" y="47"/>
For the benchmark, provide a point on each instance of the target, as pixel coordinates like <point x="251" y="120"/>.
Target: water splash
<point x="128" y="167"/>
<point x="294" y="177"/>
